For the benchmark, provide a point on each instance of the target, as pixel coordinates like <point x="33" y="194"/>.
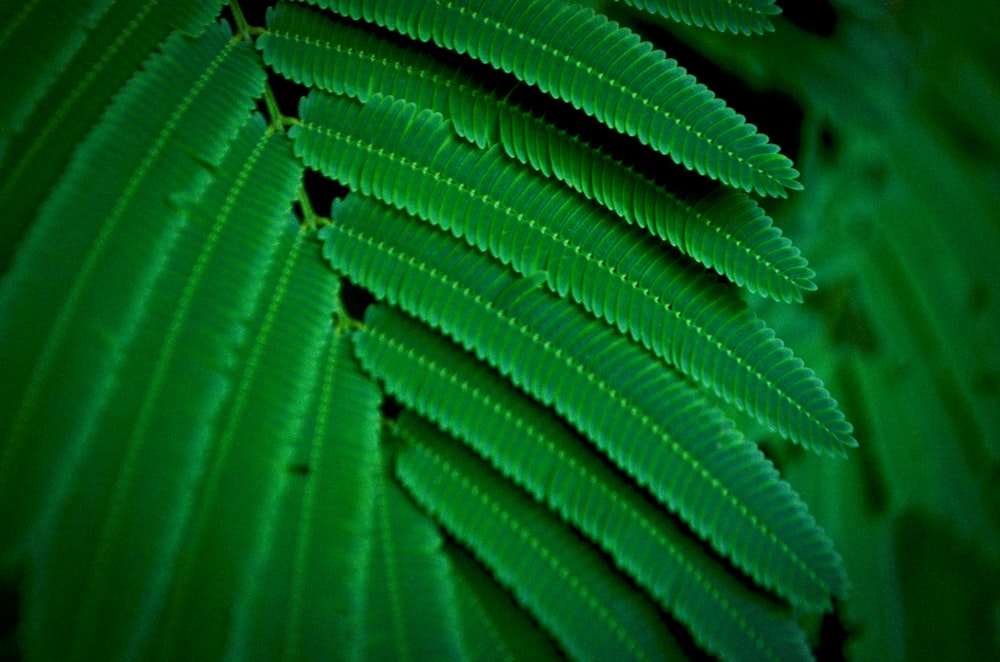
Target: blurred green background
<point x="889" y="109"/>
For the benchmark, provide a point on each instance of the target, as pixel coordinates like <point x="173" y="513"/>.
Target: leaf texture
<point x="121" y="520"/>
<point x="410" y="613"/>
<point x="727" y="231"/>
<point x="190" y="434"/>
<point x="569" y="589"/>
<point x="313" y="48"/>
<point x="245" y="474"/>
<point x="605" y="70"/>
<point x="494" y="627"/>
<point x="526" y="443"/>
<point x="99" y="45"/>
<point x="636" y="410"/>
<point x="74" y="300"/>
<point x="310" y="567"/>
<point x="411" y="159"/>
<point x="66" y="25"/>
<point x="736" y="16"/>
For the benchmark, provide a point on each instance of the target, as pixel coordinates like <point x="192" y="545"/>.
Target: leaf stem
<point x="278" y="122"/>
<point x="242" y="27"/>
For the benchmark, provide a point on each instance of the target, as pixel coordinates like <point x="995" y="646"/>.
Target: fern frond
<point x="310" y="47"/>
<point x="746" y="16"/>
<point x="237" y="496"/>
<point x="526" y="443"/>
<point x="727" y="232"/>
<point x="638" y="411"/>
<point x="74" y="299"/>
<point x="412" y="160"/>
<point x="304" y="591"/>
<point x="177" y="376"/>
<point x="98" y="49"/>
<point x="578" y="56"/>
<point x="191" y="457"/>
<point x="494" y="627"/>
<point x="411" y="601"/>
<point x="563" y="582"/>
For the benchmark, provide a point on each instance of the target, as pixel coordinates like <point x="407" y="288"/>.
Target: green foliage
<point x="728" y="231"/>
<point x="604" y="70"/>
<point x="528" y="444"/>
<point x="641" y="414"/>
<point x="901" y="215"/>
<point x="746" y="16"/>
<point x="587" y="255"/>
<point x="543" y="438"/>
<point x="555" y="575"/>
<point x="80" y="57"/>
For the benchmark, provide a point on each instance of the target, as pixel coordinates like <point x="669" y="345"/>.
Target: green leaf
<point x="575" y="55"/>
<point x="410" y="159"/>
<point x="528" y="444"/>
<point x="106" y="553"/>
<point x="49" y="103"/>
<point x="746" y="16"/>
<point x="410" y="613"/>
<point x="726" y="231"/>
<point x="312" y="48"/>
<point x="310" y="567"/>
<point x="494" y="627"/>
<point x="251" y="451"/>
<point x="567" y="586"/>
<point x="73" y="306"/>
<point x="639" y="412"/>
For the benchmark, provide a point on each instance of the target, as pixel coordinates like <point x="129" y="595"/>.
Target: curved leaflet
<point x="563" y="582"/>
<point x="645" y="417"/>
<point x="411" y="159"/>
<point x="727" y="231"/>
<point x="605" y="70"/>
<point x="528" y="444"/>
<point x="746" y="16"/>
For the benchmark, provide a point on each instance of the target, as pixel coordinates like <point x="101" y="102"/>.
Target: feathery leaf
<point x="575" y="55"/>
<point x="410" y="613"/>
<point x="727" y="231"/>
<point x="161" y="420"/>
<point x="746" y="16"/>
<point x="563" y="582"/>
<point x="495" y="628"/>
<point x="245" y="474"/>
<point x="100" y="48"/>
<point x="410" y="159"/>
<point x="643" y="415"/>
<point x="76" y="295"/>
<point x="528" y="444"/>
<point x="190" y="435"/>
<point x="309" y="568"/>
